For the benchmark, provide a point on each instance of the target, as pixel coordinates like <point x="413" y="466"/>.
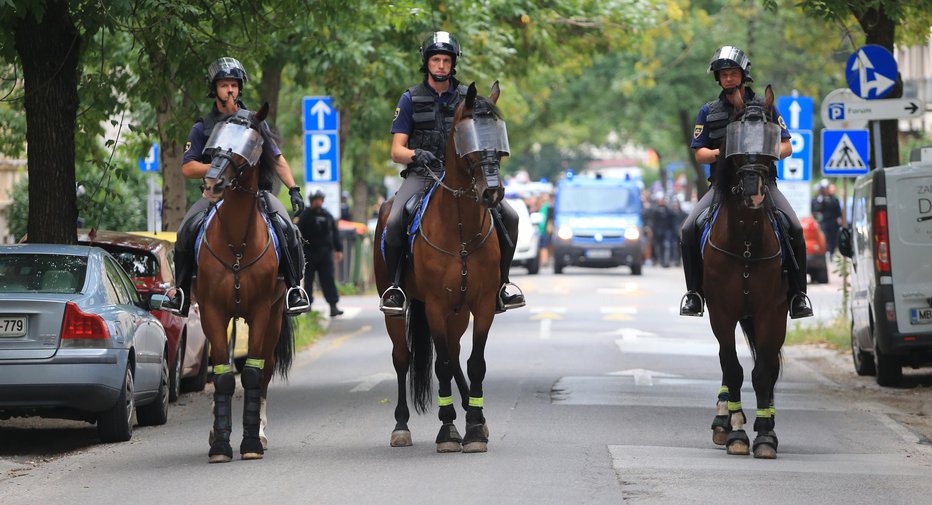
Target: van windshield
<point x="599" y="200"/>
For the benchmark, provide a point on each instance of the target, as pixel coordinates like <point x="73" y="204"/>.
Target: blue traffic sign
<point x="151" y="162"/>
<point x="321" y="157"/>
<point x="796" y="111"/>
<point x="845" y="152"/>
<point x="319" y="114"/>
<point x="871" y="72"/>
<point x="798" y="165"/>
<point x="321" y="140"/>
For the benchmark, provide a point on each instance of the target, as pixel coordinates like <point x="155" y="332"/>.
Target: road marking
<point x="642" y="377"/>
<point x="370" y="381"/>
<point x="545" y="326"/>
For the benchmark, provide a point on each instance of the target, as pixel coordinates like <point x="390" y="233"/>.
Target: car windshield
<point x="599" y="200"/>
<point x="136" y="263"/>
<point x="42" y="273"/>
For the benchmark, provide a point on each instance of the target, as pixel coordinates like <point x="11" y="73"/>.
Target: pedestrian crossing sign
<point x="845" y="152"/>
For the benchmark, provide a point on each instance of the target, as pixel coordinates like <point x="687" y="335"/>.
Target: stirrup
<point x="171" y="308"/>
<point x="502" y="307"/>
<point x="301" y="307"/>
<point x="808" y="305"/>
<point x="683" y="304"/>
<point x="394" y="311"/>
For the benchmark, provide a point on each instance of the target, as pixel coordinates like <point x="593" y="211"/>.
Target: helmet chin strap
<point x="732" y="90"/>
<point x="441" y="78"/>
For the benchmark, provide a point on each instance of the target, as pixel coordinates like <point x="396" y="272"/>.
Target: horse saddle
<point x="706" y="219"/>
<point x="414" y="211"/>
<point x="212" y="211"/>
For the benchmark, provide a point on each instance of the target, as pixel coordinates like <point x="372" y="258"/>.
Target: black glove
<point x="425" y="159"/>
<point x="297" y="203"/>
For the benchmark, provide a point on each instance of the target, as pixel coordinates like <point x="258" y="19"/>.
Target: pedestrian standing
<point x="322" y="249"/>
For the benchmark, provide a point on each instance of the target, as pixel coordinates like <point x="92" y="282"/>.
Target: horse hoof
<point x="220" y="458"/>
<point x="251" y="455"/>
<point x="765" y="445"/>
<point x="444" y="447"/>
<point x="765" y="451"/>
<point x="719" y="436"/>
<point x="485" y="430"/>
<point x="472" y="447"/>
<point x="737" y="443"/>
<point x="401" y="438"/>
<point x="738" y="449"/>
<point x="265" y="442"/>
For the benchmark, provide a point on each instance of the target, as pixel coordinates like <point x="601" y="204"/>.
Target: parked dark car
<point x="78" y="342"/>
<point x="148" y="261"/>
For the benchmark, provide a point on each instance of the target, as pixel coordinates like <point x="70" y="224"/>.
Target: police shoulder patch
<point x="187" y="146"/>
<point x="698" y="131"/>
<point x="397" y="112"/>
<point x="782" y="123"/>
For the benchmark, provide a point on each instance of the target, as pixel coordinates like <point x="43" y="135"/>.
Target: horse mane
<point x="267" y="162"/>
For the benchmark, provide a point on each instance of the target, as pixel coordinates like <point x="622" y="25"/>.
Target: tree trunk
<point x="687" y="127"/>
<point x="880" y="29"/>
<point x="50" y="50"/>
<point x="271" y="86"/>
<point x="360" y="209"/>
<point x="174" y="193"/>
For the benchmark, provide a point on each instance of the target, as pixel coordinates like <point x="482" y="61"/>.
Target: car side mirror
<point x="156" y="300"/>
<point x="844" y="242"/>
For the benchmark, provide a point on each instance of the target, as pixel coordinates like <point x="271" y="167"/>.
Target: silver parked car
<point x="78" y="342"/>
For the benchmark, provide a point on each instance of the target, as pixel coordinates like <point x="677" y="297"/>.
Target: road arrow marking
<point x="643" y="377"/>
<point x="370" y="381"/>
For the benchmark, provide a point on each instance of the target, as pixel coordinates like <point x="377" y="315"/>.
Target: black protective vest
<point x="210" y="120"/>
<point x="717" y="119"/>
<point x="433" y="119"/>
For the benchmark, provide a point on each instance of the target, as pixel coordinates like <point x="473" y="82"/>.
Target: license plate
<point x="12" y="326"/>
<point x="598" y="253"/>
<point x="920" y="316"/>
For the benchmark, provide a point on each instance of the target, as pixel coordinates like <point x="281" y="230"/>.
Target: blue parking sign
<point x="796" y="111"/>
<point x="321" y="157"/>
<point x="151" y="162"/>
<point x="798" y="165"/>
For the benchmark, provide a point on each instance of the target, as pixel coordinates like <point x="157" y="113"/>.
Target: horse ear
<point x="493" y="94"/>
<point x="471" y="96"/>
<point x="768" y="97"/>
<point x="263" y="112"/>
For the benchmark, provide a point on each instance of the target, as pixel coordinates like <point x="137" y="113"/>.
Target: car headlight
<point x="632" y="233"/>
<point x="565" y="232"/>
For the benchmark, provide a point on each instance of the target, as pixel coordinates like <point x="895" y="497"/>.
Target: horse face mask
<point x="234" y="137"/>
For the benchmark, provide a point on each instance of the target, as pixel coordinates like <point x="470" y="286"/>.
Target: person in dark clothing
<point x="225" y="80"/>
<point x="826" y="210"/>
<point x="422" y="122"/>
<point x="732" y="70"/>
<point x="322" y="248"/>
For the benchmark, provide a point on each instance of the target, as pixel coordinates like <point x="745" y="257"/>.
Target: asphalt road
<point x="597" y="392"/>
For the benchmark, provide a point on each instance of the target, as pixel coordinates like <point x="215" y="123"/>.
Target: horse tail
<point x="422" y="357"/>
<point x="284" y="350"/>
<point x="747" y="327"/>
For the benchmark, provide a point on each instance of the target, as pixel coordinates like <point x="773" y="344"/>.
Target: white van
<point x="890" y="246"/>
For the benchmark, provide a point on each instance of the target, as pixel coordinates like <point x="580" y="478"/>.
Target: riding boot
<point x="507" y="243"/>
<point x="799" y="303"/>
<point x="692" y="302"/>
<point x="394" y="302"/>
<point x="291" y="267"/>
<point x="180" y="302"/>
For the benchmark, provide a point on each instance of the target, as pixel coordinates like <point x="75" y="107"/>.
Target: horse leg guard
<point x="477" y="435"/>
<point x="765" y="443"/>
<point x="251" y="446"/>
<point x="737" y="442"/>
<point x="449" y="439"/>
<point x="220" y="449"/>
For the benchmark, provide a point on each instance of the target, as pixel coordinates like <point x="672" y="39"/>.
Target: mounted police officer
<point x="732" y="71"/>
<point x="422" y="122"/>
<point x="225" y="80"/>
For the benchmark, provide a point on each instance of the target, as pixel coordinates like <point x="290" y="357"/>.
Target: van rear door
<point x="909" y="203"/>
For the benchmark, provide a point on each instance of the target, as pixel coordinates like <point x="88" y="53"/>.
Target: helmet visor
<point x="229" y="68"/>
<point x="235" y="138"/>
<point x="753" y="137"/>
<point x="729" y="54"/>
<point x="481" y="134"/>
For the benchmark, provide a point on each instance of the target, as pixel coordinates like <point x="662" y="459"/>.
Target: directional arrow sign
<point x="871" y="71"/>
<point x="899" y="108"/>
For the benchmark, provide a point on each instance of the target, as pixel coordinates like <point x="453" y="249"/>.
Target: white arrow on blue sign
<point x="796" y="111"/>
<point x="845" y="152"/>
<point x="321" y="140"/>
<point x="151" y="162"/>
<point x="871" y="72"/>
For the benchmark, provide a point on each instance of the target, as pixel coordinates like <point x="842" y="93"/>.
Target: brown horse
<point x="237" y="277"/>
<point x="453" y="272"/>
<point x="744" y="277"/>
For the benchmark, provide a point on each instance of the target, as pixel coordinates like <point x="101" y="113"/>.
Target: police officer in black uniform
<point x="225" y="80"/>
<point x="322" y="247"/>
<point x="422" y="122"/>
<point x="732" y="71"/>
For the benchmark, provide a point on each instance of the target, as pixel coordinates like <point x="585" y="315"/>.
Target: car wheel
<point x="635" y="269"/>
<point x="199" y="381"/>
<point x="174" y="376"/>
<point x="863" y="361"/>
<point x="889" y="369"/>
<point x="116" y="424"/>
<point x="533" y="265"/>
<point x="156" y="413"/>
<point x="557" y="266"/>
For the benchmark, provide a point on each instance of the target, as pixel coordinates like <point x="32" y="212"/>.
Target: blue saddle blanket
<point x="412" y="226"/>
<point x="212" y="211"/>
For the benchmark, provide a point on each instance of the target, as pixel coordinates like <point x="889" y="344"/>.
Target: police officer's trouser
<point x="395" y="234"/>
<point x="320" y="262"/>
